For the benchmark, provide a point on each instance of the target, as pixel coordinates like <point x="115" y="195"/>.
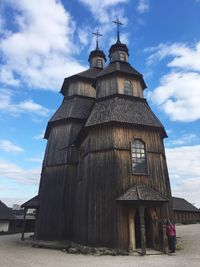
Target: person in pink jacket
<point x="171" y="236"/>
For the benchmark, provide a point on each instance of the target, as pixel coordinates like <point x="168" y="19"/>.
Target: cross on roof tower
<point x="118" y="23"/>
<point x="97" y="38"/>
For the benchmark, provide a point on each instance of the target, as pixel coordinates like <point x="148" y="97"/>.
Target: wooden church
<point x="104" y="180"/>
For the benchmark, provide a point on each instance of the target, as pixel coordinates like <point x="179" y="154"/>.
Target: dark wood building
<point x="7" y="219"/>
<point x="185" y="212"/>
<point x="104" y="179"/>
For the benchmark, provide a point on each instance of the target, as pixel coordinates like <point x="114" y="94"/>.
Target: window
<point x="138" y="153"/>
<point x="128" y="88"/>
<point x="99" y="63"/>
<point x="122" y="56"/>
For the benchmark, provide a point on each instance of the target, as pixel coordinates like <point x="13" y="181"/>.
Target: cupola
<point x="118" y="51"/>
<point x="97" y="57"/>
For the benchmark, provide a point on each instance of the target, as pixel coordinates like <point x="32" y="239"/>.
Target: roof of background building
<point x="180" y="204"/>
<point x="31" y="203"/>
<point x="5" y="212"/>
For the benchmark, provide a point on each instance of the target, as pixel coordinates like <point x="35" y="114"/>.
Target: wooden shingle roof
<point x="122" y="67"/>
<point x="5" y="212"/>
<point x="180" y="204"/>
<point x="123" y="109"/>
<point x="142" y="193"/>
<point x="76" y="107"/>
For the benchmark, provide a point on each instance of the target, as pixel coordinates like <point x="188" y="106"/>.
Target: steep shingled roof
<point x="142" y="193"/>
<point x="124" y="109"/>
<point x="76" y="107"/>
<point x="5" y="212"/>
<point x="180" y="204"/>
<point x="123" y="67"/>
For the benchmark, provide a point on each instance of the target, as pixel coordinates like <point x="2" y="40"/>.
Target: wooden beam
<point x="24" y="224"/>
<point x="132" y="240"/>
<point x="142" y="230"/>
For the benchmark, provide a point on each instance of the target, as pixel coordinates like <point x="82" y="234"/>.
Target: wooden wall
<point x="186" y="217"/>
<point x="58" y="182"/>
<point x="80" y="88"/>
<point x="115" y="85"/>
<point x="107" y="174"/>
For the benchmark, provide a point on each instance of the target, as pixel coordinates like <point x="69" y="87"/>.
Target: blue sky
<point x="44" y="41"/>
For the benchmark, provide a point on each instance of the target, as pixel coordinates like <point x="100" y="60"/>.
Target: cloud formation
<point x="8" y="146"/>
<point x="143" y="6"/>
<point x="178" y="94"/>
<point x="104" y="12"/>
<point x="185" y="179"/>
<point x="14" y="172"/>
<point x="25" y="106"/>
<point x="40" y="49"/>
<point x="104" y="8"/>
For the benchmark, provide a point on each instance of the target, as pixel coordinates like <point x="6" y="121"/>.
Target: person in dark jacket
<point x="171" y="236"/>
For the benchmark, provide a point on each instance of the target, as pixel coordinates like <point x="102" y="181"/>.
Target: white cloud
<point x="39" y="136"/>
<point x="189" y="190"/>
<point x="14" y="172"/>
<point x="35" y="159"/>
<point x="184" y="172"/>
<point x="143" y="6"/>
<point x="6" y="77"/>
<point x="26" y="106"/>
<point x="102" y="9"/>
<point x="183" y="56"/>
<point x="180" y="160"/>
<point x="104" y="12"/>
<point x="178" y="94"/>
<point x="8" y="146"/>
<point x="40" y="50"/>
<point x="185" y="139"/>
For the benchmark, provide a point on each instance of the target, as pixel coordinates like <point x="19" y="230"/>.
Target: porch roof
<point x="142" y="193"/>
<point x="31" y="203"/>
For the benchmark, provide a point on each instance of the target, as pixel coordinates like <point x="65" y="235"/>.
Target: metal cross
<point x="118" y="23"/>
<point x="97" y="36"/>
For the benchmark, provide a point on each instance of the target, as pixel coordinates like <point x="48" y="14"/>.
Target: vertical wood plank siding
<point x="107" y="173"/>
<point x="81" y="88"/>
<point x="58" y="182"/>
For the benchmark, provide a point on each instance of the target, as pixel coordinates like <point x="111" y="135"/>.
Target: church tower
<point x="104" y="180"/>
<point x="124" y="190"/>
<point x="59" y="172"/>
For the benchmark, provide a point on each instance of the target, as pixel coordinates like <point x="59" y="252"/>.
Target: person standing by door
<point x="171" y="236"/>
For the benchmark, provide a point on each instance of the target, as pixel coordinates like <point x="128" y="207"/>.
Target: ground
<point x="13" y="253"/>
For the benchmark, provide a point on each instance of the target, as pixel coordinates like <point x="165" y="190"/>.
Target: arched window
<point x="128" y="89"/>
<point x="138" y="153"/>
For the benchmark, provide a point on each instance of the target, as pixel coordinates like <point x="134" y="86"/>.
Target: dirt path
<point x="14" y="254"/>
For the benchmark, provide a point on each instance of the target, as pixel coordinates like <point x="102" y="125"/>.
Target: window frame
<point x="145" y="170"/>
<point x="131" y="88"/>
<point x="122" y="56"/>
<point x="99" y="63"/>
